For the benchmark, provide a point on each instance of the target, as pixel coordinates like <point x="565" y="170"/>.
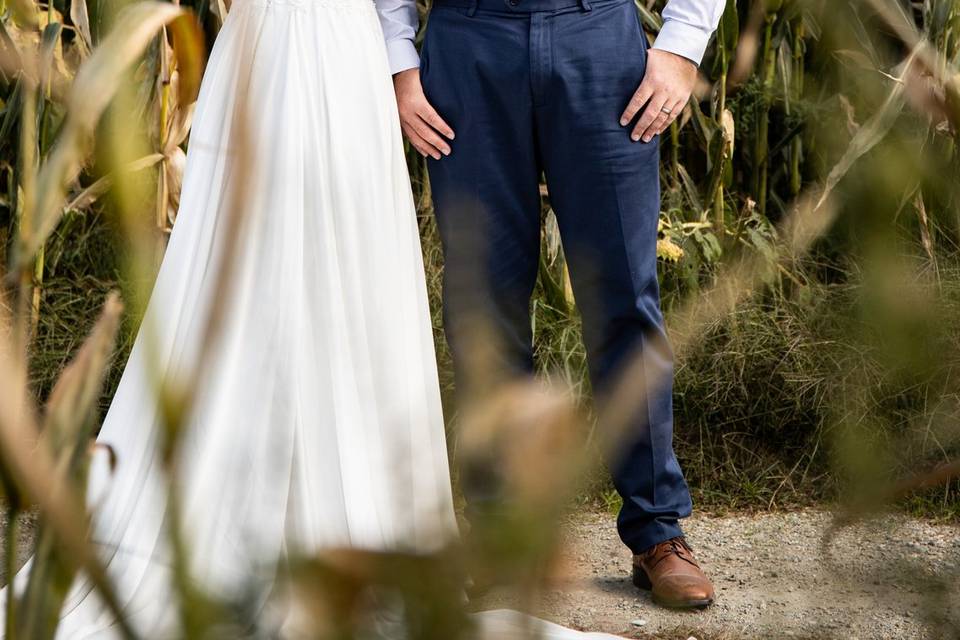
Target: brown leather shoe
<point x="671" y="571"/>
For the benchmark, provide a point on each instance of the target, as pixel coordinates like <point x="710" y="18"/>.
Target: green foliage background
<point x="842" y="364"/>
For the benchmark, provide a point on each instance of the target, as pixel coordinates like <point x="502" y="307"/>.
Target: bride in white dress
<point x="317" y="422"/>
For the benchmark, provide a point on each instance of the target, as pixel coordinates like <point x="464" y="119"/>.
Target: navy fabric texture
<point x="531" y="88"/>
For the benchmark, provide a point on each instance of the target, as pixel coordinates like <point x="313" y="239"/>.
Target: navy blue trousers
<point x="531" y="88"/>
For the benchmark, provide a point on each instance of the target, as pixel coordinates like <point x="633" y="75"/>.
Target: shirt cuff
<point x="682" y="39"/>
<point x="402" y="55"/>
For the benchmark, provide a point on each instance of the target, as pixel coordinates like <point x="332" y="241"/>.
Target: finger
<point x="430" y="136"/>
<point x="419" y="143"/>
<point x="655" y="127"/>
<point x="675" y="112"/>
<point x="417" y="140"/>
<point x="663" y="121"/>
<point x="430" y="115"/>
<point x="640" y="98"/>
<point x="650" y="113"/>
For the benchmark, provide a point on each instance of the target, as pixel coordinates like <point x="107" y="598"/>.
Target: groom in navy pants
<point x="507" y="91"/>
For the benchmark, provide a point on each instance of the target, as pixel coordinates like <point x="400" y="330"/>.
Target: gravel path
<point x="889" y="578"/>
<point x="26" y="534"/>
<point x="892" y="577"/>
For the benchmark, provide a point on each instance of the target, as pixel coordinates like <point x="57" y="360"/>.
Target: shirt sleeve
<point x="687" y="27"/>
<point x="400" y="21"/>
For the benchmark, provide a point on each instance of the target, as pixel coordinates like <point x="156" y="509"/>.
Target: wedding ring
<point x="665" y="110"/>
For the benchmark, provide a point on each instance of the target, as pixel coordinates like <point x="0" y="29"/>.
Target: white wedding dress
<point x="317" y="420"/>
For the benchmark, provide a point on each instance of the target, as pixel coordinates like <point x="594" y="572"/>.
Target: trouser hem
<point x="650" y="534"/>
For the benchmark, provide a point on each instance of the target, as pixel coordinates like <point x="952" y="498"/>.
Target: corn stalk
<point x="761" y="146"/>
<point x="728" y="34"/>
<point x="51" y="157"/>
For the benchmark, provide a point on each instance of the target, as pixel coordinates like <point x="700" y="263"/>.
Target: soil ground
<point x="891" y="577"/>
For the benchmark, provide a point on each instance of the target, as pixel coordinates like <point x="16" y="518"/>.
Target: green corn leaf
<point x="728" y="32"/>
<point x="867" y="137"/>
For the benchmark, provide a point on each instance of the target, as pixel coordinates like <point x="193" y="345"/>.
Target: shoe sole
<point x="642" y="581"/>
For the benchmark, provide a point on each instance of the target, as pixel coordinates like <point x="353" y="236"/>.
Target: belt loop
<point x="472" y="9"/>
<point x="585" y="5"/>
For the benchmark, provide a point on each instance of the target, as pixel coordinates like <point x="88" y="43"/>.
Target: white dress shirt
<point x="687" y="27"/>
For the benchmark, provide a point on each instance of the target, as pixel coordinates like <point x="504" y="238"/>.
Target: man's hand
<point x="420" y="122"/>
<point x="666" y="87"/>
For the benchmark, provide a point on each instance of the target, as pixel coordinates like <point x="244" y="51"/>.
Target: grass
<point x="85" y="264"/>
<point x="769" y="401"/>
<point x="834" y="376"/>
<point x="754" y="400"/>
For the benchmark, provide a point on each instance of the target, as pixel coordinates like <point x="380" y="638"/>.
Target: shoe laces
<point x="674" y="546"/>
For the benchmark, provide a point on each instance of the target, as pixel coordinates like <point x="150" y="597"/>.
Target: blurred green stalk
<point x="10" y="548"/>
